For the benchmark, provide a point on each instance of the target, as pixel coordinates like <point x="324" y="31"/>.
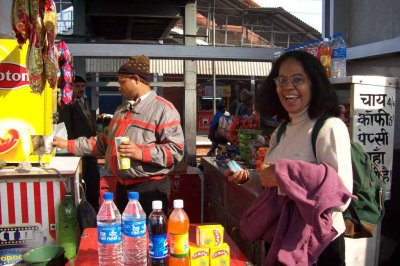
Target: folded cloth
<point x="299" y="225"/>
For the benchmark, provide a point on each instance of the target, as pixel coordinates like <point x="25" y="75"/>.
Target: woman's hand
<point x="267" y="175"/>
<point x="128" y="149"/>
<point x="239" y="177"/>
<point x="60" y="143"/>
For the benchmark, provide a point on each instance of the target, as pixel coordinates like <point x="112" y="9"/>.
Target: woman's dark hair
<point x="323" y="96"/>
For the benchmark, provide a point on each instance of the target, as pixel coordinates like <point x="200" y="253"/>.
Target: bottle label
<point x="109" y="234"/>
<point x="158" y="246"/>
<point x="339" y="53"/>
<point x="179" y="245"/>
<point x="134" y="228"/>
<point x="325" y="60"/>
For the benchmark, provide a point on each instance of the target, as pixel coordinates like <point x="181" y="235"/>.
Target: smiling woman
<point x="293" y="86"/>
<point x="298" y="90"/>
<point x="308" y="86"/>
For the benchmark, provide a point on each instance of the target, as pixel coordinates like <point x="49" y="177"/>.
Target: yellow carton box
<point x="199" y="256"/>
<point x="209" y="235"/>
<point x="220" y="255"/>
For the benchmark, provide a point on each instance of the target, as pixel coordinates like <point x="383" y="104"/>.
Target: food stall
<point x="33" y="182"/>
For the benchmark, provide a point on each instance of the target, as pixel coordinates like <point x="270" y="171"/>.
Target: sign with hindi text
<point x="373" y="124"/>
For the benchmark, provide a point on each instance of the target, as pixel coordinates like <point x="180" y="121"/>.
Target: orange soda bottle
<point x="325" y="53"/>
<point x="178" y="236"/>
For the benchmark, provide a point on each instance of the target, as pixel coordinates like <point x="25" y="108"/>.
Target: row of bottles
<point x="330" y="51"/>
<point x="124" y="241"/>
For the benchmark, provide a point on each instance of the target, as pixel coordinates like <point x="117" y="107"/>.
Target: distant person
<point x="234" y="104"/>
<point x="246" y="103"/>
<point x="156" y="141"/>
<point x="215" y="140"/>
<point x="80" y="122"/>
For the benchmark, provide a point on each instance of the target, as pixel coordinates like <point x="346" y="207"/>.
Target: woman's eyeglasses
<point x="296" y="80"/>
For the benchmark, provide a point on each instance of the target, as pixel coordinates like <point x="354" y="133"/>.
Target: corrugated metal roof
<point x="165" y="66"/>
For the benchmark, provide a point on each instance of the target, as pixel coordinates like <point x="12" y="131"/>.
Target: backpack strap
<point x="281" y="130"/>
<point x="317" y="127"/>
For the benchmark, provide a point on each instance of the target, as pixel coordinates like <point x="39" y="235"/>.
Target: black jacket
<point x="76" y="122"/>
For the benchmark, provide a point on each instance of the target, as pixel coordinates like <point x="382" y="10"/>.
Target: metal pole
<point x="208" y="23"/>
<point x="213" y="67"/>
<point x="226" y="30"/>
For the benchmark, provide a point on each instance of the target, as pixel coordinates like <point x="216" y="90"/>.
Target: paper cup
<point x="123" y="163"/>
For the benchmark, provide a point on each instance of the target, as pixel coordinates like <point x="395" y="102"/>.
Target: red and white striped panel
<point x="31" y="203"/>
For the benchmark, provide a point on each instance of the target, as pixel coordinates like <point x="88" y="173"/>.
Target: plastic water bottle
<point x="134" y="231"/>
<point x="66" y="227"/>
<point x="325" y="54"/>
<point x="157" y="227"/>
<point x="339" y="56"/>
<point x="178" y="236"/>
<point x="109" y="234"/>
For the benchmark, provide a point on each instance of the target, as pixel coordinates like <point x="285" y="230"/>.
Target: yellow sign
<point x="23" y="114"/>
<point x="226" y="91"/>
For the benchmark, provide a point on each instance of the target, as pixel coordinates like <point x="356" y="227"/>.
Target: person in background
<point x="298" y="90"/>
<point x="234" y="104"/>
<point x="245" y="106"/>
<point x="213" y="129"/>
<point x="80" y="121"/>
<point x="156" y="141"/>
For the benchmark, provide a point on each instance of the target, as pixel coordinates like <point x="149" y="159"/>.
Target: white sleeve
<point x="333" y="147"/>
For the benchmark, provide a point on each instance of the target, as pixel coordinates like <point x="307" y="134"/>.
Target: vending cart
<point x="28" y="199"/>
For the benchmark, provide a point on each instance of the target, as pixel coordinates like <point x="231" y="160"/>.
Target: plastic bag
<point x="86" y="213"/>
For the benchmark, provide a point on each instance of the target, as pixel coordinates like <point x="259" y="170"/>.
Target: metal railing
<point x="65" y="16"/>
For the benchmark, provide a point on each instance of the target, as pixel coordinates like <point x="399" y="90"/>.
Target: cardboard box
<point x="199" y="256"/>
<point x="220" y="255"/>
<point x="210" y="235"/>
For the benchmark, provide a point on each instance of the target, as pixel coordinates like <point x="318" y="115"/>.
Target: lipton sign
<point x="13" y="76"/>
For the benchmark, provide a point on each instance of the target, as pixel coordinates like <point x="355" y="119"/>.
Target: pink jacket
<point x="299" y="225"/>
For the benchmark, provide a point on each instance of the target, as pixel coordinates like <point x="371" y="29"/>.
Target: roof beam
<point x="133" y="10"/>
<point x="374" y="49"/>
<point x="173" y="51"/>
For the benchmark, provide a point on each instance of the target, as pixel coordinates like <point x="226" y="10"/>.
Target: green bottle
<point x="67" y="226"/>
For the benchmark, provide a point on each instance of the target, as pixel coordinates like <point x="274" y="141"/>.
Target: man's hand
<point x="128" y="149"/>
<point x="267" y="175"/>
<point x="60" y="143"/>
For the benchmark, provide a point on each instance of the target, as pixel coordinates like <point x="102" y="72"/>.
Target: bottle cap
<point x="133" y="195"/>
<point x="108" y="196"/>
<point x="157" y="205"/>
<point x="178" y="203"/>
<point x="325" y="39"/>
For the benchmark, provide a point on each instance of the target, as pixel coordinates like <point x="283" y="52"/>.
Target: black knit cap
<point x="137" y="65"/>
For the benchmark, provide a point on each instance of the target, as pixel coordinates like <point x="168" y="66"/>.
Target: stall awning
<point x="167" y="66"/>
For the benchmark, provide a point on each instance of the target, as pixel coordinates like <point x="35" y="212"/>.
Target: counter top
<point x="67" y="166"/>
<point x="225" y="203"/>
<point x="87" y="253"/>
<point x="221" y="167"/>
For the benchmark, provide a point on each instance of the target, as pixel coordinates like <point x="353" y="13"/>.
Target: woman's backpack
<point x="363" y="215"/>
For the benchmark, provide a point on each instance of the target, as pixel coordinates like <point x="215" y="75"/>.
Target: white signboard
<point x="373" y="125"/>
